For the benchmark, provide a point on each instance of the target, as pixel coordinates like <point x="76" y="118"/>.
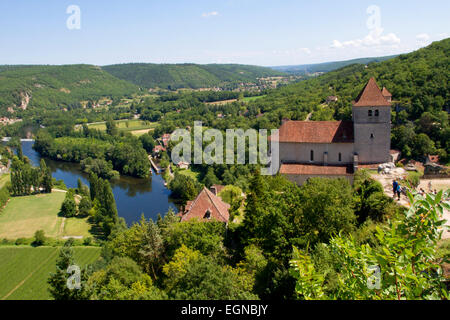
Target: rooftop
<point x="315" y="169"/>
<point x="371" y="96"/>
<point x="206" y="204"/>
<point x="317" y="131"/>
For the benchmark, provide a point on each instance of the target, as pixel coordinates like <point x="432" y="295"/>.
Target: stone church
<point x="337" y="148"/>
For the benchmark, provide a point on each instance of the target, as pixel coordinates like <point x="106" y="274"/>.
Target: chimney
<point x="325" y="158"/>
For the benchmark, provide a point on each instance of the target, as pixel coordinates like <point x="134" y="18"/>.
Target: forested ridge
<point x="52" y="87"/>
<point x="194" y="76"/>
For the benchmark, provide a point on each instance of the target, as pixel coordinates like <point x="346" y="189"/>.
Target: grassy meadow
<point x="23" y="216"/>
<point x="24" y="270"/>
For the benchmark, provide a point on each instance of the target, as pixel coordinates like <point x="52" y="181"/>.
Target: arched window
<point x="312" y="155"/>
<point x="371" y="136"/>
<point x="207" y="214"/>
<point x="340" y="157"/>
<point x="370" y="113"/>
<point x="377" y="113"/>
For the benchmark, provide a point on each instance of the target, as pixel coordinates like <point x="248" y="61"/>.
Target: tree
<point x="58" y="281"/>
<point x="111" y="128"/>
<point x="69" y="207"/>
<point x="147" y="142"/>
<point x="151" y="248"/>
<point x="405" y="258"/>
<point x="210" y="178"/>
<point x="123" y="279"/>
<point x="39" y="238"/>
<point x="46" y="177"/>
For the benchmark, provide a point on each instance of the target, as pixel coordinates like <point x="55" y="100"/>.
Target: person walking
<point x="394" y="187"/>
<point x="399" y="191"/>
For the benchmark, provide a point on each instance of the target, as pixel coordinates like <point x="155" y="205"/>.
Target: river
<point x="133" y="196"/>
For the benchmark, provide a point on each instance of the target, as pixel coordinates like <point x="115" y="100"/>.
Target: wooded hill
<point x="57" y="86"/>
<point x="327" y="66"/>
<point x="194" y="76"/>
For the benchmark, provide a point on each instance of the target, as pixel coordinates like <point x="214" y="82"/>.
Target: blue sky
<point x="259" y="32"/>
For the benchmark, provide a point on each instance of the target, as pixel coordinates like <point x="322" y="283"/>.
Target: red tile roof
<point x="314" y="169"/>
<point x="371" y="96"/>
<point x="206" y="201"/>
<point x="386" y="93"/>
<point x="317" y="131"/>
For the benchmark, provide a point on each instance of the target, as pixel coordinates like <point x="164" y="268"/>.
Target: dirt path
<point x="61" y="227"/>
<point x="28" y="276"/>
<point x="438" y="184"/>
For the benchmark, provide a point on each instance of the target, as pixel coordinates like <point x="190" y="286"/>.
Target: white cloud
<point x="422" y="37"/>
<point x="210" y="14"/>
<point x="373" y="39"/>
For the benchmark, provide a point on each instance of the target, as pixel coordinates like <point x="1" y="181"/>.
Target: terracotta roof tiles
<point x="206" y="201"/>
<point x="314" y="169"/>
<point x="371" y="96"/>
<point x="317" y="131"/>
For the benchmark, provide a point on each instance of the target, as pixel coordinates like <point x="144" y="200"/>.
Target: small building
<point x="331" y="99"/>
<point x="182" y="165"/>
<point x="165" y="139"/>
<point x="386" y="94"/>
<point x="158" y="149"/>
<point x="206" y="207"/>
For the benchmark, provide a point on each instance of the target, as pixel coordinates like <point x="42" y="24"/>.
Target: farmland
<point x="23" y="216"/>
<point x="133" y="126"/>
<point x="24" y="270"/>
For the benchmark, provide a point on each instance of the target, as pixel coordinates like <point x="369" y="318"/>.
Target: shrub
<point x="39" y="238"/>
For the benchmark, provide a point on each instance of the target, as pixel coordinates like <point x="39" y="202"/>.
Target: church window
<point x="371" y="136"/>
<point x="340" y="157"/>
<point x="370" y="113"/>
<point x="312" y="155"/>
<point x="377" y="113"/>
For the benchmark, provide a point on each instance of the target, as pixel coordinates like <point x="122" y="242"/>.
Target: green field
<point x="126" y="125"/>
<point x="24" y="270"/>
<point x="23" y="216"/>
<point x="248" y="99"/>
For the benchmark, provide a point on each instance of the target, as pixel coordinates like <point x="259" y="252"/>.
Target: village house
<point x="331" y="99"/>
<point x="206" y="207"/>
<point x="157" y="150"/>
<point x="182" y="165"/>
<point x="335" y="149"/>
<point x="165" y="139"/>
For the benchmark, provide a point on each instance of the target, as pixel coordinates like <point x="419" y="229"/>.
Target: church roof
<point x="314" y="169"/>
<point x="317" y="132"/>
<point x="371" y="96"/>
<point x="206" y="201"/>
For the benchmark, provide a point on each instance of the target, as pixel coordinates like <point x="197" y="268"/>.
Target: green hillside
<point x="175" y="76"/>
<point x="328" y="66"/>
<point x="419" y="82"/>
<point x="57" y="86"/>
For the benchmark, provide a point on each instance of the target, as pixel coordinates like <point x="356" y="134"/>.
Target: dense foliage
<point x="193" y="76"/>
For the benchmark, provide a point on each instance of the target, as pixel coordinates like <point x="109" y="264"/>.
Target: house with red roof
<point x="336" y="148"/>
<point x="206" y="207"/>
